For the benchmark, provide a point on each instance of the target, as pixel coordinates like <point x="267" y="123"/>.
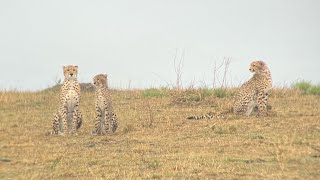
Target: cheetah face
<point x="257" y="66"/>
<point x="100" y="80"/>
<point x="70" y="72"/>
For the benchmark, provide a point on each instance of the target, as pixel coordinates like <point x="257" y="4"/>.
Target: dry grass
<point x="155" y="141"/>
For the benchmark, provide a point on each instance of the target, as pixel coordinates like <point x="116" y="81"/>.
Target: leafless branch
<point x="178" y="66"/>
<point x="227" y="61"/>
<point x="216" y="73"/>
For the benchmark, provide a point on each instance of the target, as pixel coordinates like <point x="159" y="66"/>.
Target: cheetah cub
<point x="255" y="92"/>
<point x="68" y="119"/>
<point x="106" y="119"/>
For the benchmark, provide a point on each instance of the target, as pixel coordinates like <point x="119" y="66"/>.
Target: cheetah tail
<point x="206" y="116"/>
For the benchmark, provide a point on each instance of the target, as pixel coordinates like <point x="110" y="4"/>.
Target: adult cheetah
<point x="68" y="118"/>
<point x="106" y="119"/>
<point x="252" y="94"/>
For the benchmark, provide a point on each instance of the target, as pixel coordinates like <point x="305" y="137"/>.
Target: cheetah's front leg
<point x="55" y="124"/>
<point x="108" y="119"/>
<point x="63" y="115"/>
<point x="97" y="126"/>
<point x="79" y="120"/>
<point x="111" y="121"/>
<point x="262" y="101"/>
<point x="75" y="119"/>
<point x="250" y="107"/>
<point x="114" y="123"/>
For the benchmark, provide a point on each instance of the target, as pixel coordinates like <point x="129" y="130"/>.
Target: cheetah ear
<point x="76" y="67"/>
<point x="106" y="75"/>
<point x="63" y="67"/>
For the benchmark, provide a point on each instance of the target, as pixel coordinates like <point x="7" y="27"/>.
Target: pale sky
<point x="135" y="40"/>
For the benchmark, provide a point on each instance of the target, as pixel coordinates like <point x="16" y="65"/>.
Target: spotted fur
<point x="106" y="119"/>
<point x="255" y="91"/>
<point x="68" y="119"/>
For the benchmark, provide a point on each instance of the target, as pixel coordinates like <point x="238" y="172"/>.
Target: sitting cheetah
<point x="252" y="94"/>
<point x="106" y="119"/>
<point x="68" y="118"/>
<point x="255" y="91"/>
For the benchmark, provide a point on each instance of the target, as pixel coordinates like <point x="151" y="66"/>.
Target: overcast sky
<point x="135" y="41"/>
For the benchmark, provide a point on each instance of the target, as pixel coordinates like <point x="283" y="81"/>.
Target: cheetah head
<point x="100" y="80"/>
<point x="257" y="66"/>
<point x="70" y="72"/>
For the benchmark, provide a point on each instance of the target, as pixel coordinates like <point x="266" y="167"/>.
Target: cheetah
<point x="106" y="119"/>
<point x="252" y="96"/>
<point x="69" y="117"/>
<point x="255" y="91"/>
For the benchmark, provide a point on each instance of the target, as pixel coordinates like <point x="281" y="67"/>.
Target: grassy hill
<point x="156" y="141"/>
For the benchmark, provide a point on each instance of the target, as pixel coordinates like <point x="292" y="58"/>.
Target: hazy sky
<point x="136" y="40"/>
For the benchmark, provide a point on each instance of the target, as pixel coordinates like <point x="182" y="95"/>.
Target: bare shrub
<point x="221" y="81"/>
<point x="178" y="67"/>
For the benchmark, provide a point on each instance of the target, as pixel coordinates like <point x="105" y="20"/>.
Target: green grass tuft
<point x="314" y="90"/>
<point x="307" y="88"/>
<point x="220" y="93"/>
<point x="153" y="92"/>
<point x="302" y="86"/>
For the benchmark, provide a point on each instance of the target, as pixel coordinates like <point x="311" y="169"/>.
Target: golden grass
<point x="155" y="141"/>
